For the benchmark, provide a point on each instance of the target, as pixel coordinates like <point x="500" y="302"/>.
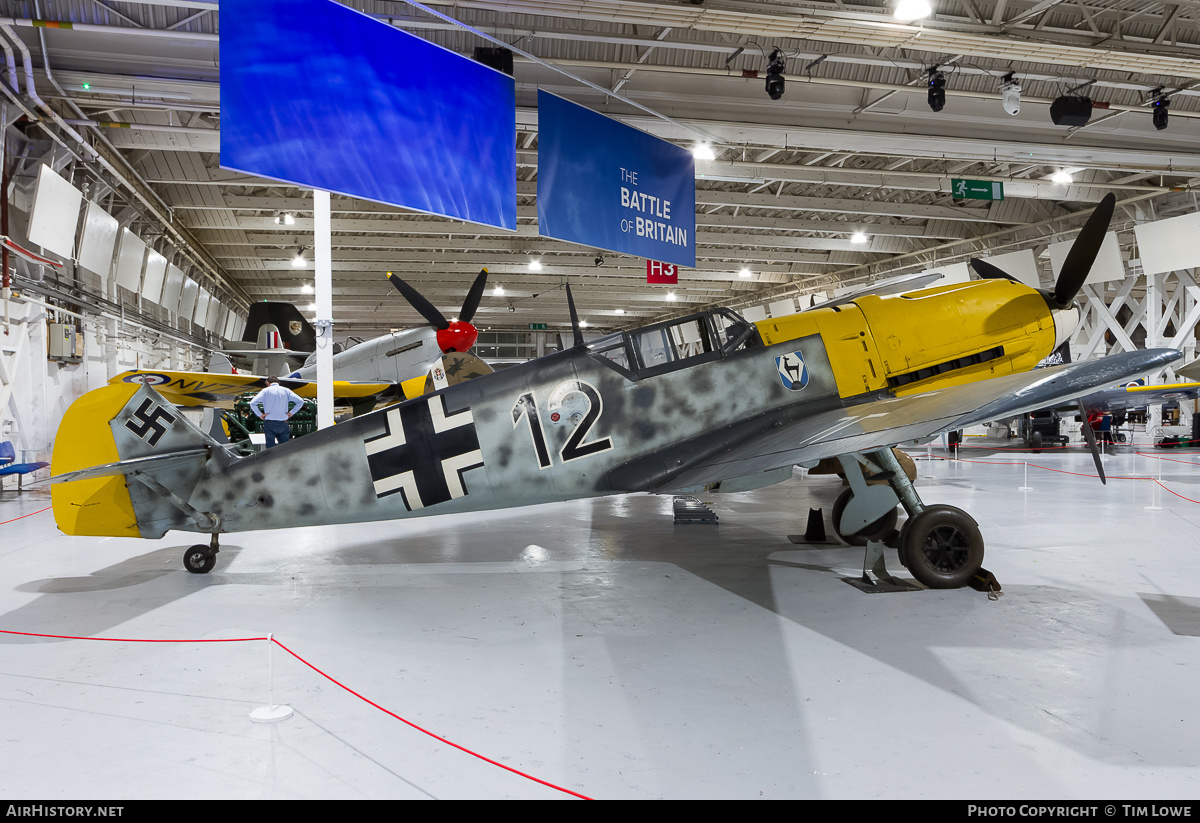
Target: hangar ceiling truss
<point x="851" y="147"/>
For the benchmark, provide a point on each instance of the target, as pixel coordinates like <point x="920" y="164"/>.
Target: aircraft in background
<point x="635" y="411"/>
<point x="392" y="365"/>
<point x="283" y="339"/>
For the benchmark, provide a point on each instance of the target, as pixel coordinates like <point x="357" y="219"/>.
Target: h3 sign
<point x="657" y="272"/>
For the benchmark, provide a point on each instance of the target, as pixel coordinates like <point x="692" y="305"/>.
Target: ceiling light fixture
<point x="703" y="151"/>
<point x="671" y="296"/>
<point x="858" y="237"/>
<point x="498" y="291"/>
<point x="1159" y="108"/>
<point x="776" y="64"/>
<point x="298" y="262"/>
<point x="909" y="10"/>
<point x="1062" y="177"/>
<point x="1010" y="94"/>
<point x="535" y="265"/>
<point x="306" y="288"/>
<point x="285" y="218"/>
<point x="744" y="272"/>
<point x="937" y="89"/>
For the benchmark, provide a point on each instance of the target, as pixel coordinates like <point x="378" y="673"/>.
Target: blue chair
<point x="8" y="464"/>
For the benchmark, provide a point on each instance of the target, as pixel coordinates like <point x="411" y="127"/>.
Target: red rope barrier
<point x="318" y="671"/>
<point x="31" y="514"/>
<point x="424" y="731"/>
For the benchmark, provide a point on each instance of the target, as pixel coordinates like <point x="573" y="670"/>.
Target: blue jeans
<point x="277" y="431"/>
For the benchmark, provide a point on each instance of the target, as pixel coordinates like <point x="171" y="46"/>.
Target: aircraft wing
<point x="184" y="388"/>
<point x="1134" y="397"/>
<point x="759" y="445"/>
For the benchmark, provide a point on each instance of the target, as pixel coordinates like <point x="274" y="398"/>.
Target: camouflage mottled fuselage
<point x="475" y="446"/>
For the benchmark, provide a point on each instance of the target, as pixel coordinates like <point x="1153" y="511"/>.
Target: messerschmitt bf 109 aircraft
<point x="395" y="363"/>
<point x="636" y="411"/>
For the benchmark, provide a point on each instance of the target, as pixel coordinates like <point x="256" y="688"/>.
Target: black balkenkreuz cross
<point x="423" y="453"/>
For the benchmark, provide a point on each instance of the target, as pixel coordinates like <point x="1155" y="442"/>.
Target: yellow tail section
<point x="100" y="506"/>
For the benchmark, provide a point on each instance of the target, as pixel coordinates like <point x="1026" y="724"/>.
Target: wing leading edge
<point x="886" y="422"/>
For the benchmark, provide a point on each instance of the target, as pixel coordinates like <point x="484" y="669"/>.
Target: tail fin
<point x="125" y="463"/>
<point x="294" y="331"/>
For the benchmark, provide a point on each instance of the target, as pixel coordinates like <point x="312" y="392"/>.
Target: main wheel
<point x="942" y="547"/>
<point x="199" y="559"/>
<point x="878" y="530"/>
<point x="1035" y="441"/>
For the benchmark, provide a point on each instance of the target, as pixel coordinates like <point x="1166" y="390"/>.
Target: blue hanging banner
<point x="323" y="96"/>
<point x="610" y="186"/>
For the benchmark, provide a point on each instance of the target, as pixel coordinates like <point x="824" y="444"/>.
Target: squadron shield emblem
<point x="792" y="371"/>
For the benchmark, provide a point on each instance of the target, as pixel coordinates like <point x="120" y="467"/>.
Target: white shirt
<point x="274" y="402"/>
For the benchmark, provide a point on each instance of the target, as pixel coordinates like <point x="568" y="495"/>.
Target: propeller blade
<point x="989" y="272"/>
<point x="575" y="330"/>
<point x="473" y="296"/>
<point x="1090" y="437"/>
<point x="1083" y="252"/>
<point x="418" y="302"/>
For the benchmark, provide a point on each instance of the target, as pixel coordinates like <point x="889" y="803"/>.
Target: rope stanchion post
<point x="1025" y="487"/>
<point x="1154" y="507"/>
<point x="271" y="713"/>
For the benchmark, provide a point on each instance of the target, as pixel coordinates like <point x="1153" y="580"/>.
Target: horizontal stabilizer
<point x="125" y="464"/>
<point x="137" y="464"/>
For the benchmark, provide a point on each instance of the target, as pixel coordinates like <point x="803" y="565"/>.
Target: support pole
<point x="323" y="277"/>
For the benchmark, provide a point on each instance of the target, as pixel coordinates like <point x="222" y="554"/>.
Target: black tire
<point x="942" y="547"/>
<point x="199" y="559"/>
<point x="1035" y="441"/>
<point x="878" y="530"/>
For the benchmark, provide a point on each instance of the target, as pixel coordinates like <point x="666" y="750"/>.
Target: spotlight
<point x="744" y="273"/>
<point x="599" y="260"/>
<point x="1010" y="94"/>
<point x="909" y="10"/>
<point x="298" y="261"/>
<point x="285" y="218"/>
<point x="937" y="89"/>
<point x="535" y="265"/>
<point x="1062" y="177"/>
<point x="858" y="237"/>
<point x="1160" y="104"/>
<point x="703" y="151"/>
<point x="776" y="65"/>
<point x="498" y="291"/>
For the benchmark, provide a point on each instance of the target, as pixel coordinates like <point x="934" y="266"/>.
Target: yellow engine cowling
<point x="927" y="339"/>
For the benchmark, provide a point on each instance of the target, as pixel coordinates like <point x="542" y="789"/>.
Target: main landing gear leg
<point x="200" y="559"/>
<point x="940" y="545"/>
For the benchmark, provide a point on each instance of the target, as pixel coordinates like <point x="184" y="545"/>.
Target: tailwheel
<point x="199" y="559"/>
<point x="942" y="547"/>
<point x="878" y="530"/>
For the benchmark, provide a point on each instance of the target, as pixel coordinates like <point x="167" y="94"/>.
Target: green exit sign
<point x="976" y="189"/>
<point x="537" y="326"/>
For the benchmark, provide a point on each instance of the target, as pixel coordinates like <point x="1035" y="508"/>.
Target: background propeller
<point x="458" y="335"/>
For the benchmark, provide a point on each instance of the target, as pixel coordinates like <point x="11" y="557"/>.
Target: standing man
<point x="274" y="405"/>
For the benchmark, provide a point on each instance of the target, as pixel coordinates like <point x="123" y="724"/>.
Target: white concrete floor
<point x="596" y="646"/>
